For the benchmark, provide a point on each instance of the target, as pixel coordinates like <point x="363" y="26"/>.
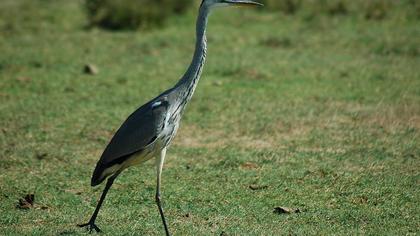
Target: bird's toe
<point x="90" y="226"/>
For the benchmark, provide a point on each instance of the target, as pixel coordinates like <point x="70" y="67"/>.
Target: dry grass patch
<point x="194" y="137"/>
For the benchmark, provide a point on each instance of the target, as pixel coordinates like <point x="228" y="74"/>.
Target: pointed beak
<point x="243" y="3"/>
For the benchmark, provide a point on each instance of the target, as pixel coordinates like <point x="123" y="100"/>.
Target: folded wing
<point x="139" y="130"/>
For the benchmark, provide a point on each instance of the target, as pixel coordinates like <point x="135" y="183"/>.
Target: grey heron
<point x="149" y="130"/>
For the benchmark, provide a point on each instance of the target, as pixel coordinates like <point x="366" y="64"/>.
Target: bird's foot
<point x="90" y="226"/>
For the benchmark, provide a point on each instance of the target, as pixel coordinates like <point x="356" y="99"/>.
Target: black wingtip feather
<point x="96" y="177"/>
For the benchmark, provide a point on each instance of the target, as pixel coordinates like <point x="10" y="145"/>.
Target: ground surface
<point x="317" y="114"/>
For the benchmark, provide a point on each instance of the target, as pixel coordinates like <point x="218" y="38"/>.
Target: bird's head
<point x="225" y="3"/>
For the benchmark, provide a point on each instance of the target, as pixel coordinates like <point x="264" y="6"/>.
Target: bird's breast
<point x="168" y="132"/>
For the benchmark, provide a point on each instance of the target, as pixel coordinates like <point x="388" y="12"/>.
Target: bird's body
<point x="141" y="137"/>
<point x="149" y="130"/>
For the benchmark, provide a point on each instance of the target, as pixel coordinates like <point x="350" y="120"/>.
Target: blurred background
<point x="306" y="119"/>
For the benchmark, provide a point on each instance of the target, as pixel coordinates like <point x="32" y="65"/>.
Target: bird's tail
<point x="98" y="175"/>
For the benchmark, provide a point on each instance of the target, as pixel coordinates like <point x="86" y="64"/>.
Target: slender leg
<point x="159" y="165"/>
<point x="91" y="224"/>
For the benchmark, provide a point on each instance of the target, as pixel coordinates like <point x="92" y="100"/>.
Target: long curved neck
<point x="189" y="81"/>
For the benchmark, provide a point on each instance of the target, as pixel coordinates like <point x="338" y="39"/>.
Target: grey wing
<point x="139" y="130"/>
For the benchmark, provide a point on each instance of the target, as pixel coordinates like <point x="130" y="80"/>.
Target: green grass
<point x="324" y="111"/>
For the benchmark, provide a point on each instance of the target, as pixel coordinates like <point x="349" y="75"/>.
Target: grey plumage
<point x="148" y="131"/>
<point x="144" y="126"/>
<point x="139" y="131"/>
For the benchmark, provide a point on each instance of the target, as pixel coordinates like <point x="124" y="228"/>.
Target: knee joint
<point x="157" y="198"/>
